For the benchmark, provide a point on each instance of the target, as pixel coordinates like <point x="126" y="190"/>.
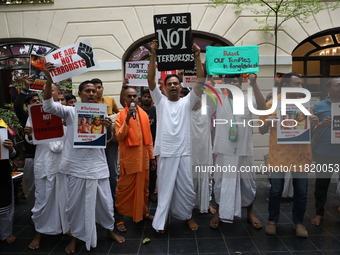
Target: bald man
<point x="136" y="152"/>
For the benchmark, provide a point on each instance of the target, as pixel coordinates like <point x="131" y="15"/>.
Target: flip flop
<point x="121" y="226"/>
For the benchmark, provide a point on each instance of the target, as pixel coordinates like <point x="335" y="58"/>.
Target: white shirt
<point x="173" y="124"/>
<point x="88" y="163"/>
<point x="244" y="145"/>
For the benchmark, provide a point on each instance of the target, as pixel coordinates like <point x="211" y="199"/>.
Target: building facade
<point x="121" y="31"/>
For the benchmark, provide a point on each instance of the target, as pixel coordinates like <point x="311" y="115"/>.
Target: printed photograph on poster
<point x="137" y="73"/>
<point x="36" y="71"/>
<point x="294" y="127"/>
<point x="335" y="127"/>
<point x="46" y="126"/>
<point x="173" y="32"/>
<point x="90" y="132"/>
<point x="4" y="153"/>
<point x="72" y="60"/>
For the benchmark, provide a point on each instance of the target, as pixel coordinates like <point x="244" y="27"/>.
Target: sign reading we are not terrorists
<point x="173" y="32"/>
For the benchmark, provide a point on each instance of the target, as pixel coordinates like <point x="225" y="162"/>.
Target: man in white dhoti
<point x="235" y="189"/>
<point x="48" y="213"/>
<point x="89" y="198"/>
<point x="201" y="154"/>
<point x="174" y="180"/>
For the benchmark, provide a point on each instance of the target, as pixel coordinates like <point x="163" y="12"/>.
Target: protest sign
<point x="72" y="60"/>
<point x="189" y="78"/>
<point x="4" y="153"/>
<point x="232" y="59"/>
<point x="294" y="127"/>
<point x="173" y="32"/>
<point x="137" y="73"/>
<point x="46" y="126"/>
<point x="335" y="127"/>
<point x="89" y="132"/>
<point x="36" y="71"/>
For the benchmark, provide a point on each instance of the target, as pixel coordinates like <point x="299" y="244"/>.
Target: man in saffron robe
<point x="136" y="152"/>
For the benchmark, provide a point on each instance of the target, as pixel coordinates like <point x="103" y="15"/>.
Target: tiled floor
<point x="236" y="238"/>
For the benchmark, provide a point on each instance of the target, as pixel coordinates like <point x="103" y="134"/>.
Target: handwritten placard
<point x="232" y="59"/>
<point x="72" y="60"/>
<point x="173" y="32"/>
<point x="137" y="73"/>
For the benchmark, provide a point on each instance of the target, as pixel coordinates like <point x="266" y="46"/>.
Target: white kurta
<point x="48" y="212"/>
<point x="201" y="156"/>
<point x="174" y="180"/>
<point x="233" y="190"/>
<point x="90" y="198"/>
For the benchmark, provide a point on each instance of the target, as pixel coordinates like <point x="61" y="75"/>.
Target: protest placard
<point x="4" y="153"/>
<point x="89" y="132"/>
<point x="335" y="127"/>
<point x="46" y="126"/>
<point x="173" y="32"/>
<point x="72" y="60"/>
<point x="294" y="127"/>
<point x="137" y="73"/>
<point x="232" y="59"/>
<point x="36" y="71"/>
<point x="189" y="78"/>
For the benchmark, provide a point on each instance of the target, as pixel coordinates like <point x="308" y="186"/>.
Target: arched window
<point x="14" y="63"/>
<point x="318" y="57"/>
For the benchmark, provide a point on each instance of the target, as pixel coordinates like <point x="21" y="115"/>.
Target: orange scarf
<point x="132" y="136"/>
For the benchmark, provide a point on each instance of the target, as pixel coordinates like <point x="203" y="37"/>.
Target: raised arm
<point x="48" y="87"/>
<point x="260" y="101"/>
<point x="199" y="70"/>
<point x="152" y="66"/>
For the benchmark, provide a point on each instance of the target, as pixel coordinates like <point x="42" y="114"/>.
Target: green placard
<point x="232" y="59"/>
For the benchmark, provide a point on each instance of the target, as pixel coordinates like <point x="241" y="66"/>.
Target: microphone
<point x="134" y="112"/>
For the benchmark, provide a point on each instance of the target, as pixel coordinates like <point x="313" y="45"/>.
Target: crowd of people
<point x="159" y="145"/>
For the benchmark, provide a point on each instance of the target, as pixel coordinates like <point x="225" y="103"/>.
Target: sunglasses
<point x="132" y="96"/>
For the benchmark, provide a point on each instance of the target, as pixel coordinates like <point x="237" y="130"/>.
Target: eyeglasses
<point x="131" y="96"/>
<point x="170" y="83"/>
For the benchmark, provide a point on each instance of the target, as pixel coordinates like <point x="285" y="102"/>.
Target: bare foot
<point x="254" y="221"/>
<point x="10" y="239"/>
<point x="317" y="220"/>
<point x="165" y="227"/>
<point x="35" y="244"/>
<point x="212" y="210"/>
<point x="71" y="247"/>
<point x="115" y="237"/>
<point x="192" y="224"/>
<point x="215" y="221"/>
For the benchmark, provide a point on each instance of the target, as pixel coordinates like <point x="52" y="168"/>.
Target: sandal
<point x="121" y="226"/>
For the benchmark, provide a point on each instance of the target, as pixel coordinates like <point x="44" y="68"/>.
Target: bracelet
<point x="125" y="87"/>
